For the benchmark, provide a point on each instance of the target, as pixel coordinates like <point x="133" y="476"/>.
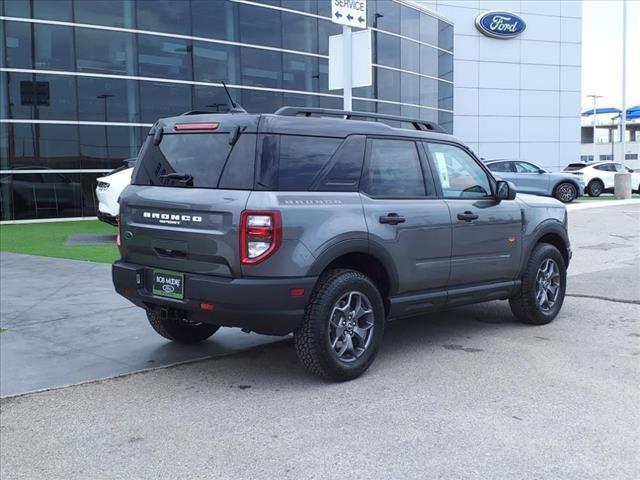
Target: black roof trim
<point x="422" y="125"/>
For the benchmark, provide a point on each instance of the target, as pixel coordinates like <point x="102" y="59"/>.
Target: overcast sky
<point x="602" y="52"/>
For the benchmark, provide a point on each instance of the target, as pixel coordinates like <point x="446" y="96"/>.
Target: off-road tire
<point x="311" y="339"/>
<point x="562" y="188"/>
<point x="179" y="329"/>
<point x="595" y="188"/>
<point x="524" y="305"/>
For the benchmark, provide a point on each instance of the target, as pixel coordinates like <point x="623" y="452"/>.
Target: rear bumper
<point x="107" y="218"/>
<point x="262" y="305"/>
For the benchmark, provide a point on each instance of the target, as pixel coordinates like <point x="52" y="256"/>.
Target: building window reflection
<point x="104" y="87"/>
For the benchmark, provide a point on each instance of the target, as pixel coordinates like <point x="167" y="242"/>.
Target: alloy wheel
<point x="351" y="326"/>
<point x="566" y="192"/>
<point x="547" y="285"/>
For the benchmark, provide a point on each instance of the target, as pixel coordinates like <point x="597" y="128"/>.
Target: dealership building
<point x="81" y="81"/>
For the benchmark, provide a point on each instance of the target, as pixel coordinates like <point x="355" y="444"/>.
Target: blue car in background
<point x="529" y="178"/>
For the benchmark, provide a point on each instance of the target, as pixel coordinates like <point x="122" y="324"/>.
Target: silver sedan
<point x="530" y="178"/>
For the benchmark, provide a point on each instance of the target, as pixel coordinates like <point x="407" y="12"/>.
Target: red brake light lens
<point x="181" y="127"/>
<point x="260" y="235"/>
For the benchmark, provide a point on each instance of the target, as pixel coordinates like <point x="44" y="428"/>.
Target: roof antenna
<point x="235" y="107"/>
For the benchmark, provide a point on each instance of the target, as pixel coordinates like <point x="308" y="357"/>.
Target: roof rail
<point x="423" y="125"/>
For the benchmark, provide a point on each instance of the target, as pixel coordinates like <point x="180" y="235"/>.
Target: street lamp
<point x="595" y="101"/>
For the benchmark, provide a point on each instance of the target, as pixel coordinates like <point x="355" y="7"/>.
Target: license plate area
<point x="169" y="284"/>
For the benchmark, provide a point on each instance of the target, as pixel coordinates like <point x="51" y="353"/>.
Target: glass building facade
<point x="81" y="81"/>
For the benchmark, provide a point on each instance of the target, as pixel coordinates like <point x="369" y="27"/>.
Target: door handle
<point x="392" y="219"/>
<point x="467" y="216"/>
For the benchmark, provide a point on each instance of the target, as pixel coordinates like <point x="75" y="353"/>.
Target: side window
<point x="459" y="174"/>
<point x="619" y="168"/>
<point x="524" y="167"/>
<point x="605" y="167"/>
<point x="393" y="169"/>
<point x="501" y="167"/>
<point x="342" y="172"/>
<point x="302" y="158"/>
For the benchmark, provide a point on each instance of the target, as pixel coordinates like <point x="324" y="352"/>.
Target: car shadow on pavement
<point x="275" y="365"/>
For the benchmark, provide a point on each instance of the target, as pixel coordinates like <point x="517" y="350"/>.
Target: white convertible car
<point x="109" y="189"/>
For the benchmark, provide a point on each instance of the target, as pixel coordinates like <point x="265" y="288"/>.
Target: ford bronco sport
<point x="326" y="224"/>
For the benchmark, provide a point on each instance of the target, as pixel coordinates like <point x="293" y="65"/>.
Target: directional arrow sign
<point x="352" y="13"/>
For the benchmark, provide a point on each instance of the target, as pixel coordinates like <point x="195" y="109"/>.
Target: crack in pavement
<point x="606" y="299"/>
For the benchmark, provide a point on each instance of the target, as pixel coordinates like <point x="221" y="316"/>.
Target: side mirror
<point x="505" y="190"/>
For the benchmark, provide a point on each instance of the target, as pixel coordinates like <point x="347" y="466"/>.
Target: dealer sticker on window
<point x="168" y="284"/>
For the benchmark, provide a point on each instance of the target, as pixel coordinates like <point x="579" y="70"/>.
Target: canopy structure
<point x="632" y="112"/>
<point x="599" y="111"/>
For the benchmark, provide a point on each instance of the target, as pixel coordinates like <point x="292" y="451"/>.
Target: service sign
<point x="497" y="24"/>
<point x="352" y="13"/>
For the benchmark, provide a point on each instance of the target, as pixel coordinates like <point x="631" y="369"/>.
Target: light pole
<point x="623" y="118"/>
<point x="622" y="179"/>
<point x="595" y="101"/>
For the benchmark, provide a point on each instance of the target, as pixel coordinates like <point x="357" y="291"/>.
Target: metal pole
<point x="347" y="81"/>
<point x="595" y="98"/>
<point x="624" y="83"/>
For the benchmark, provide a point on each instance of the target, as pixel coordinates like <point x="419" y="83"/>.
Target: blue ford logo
<point x="499" y="24"/>
<point x="168" y="288"/>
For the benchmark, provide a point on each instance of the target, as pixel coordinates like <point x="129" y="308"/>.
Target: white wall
<point x="518" y="98"/>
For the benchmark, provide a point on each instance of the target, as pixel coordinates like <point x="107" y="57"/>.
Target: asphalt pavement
<point x="468" y="393"/>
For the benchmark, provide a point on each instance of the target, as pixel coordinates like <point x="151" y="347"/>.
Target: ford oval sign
<point x="497" y="24"/>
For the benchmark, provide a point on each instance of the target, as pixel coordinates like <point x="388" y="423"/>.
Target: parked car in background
<point x="599" y="177"/>
<point x="108" y="191"/>
<point x="37" y="193"/>
<point x="530" y="178"/>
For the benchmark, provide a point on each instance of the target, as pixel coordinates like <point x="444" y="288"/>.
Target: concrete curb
<point x="601" y="204"/>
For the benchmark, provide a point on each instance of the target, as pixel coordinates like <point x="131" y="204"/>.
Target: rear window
<point x="572" y="167"/>
<point x="206" y="160"/>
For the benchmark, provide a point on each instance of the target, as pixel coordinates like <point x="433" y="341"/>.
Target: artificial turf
<point x="47" y="239"/>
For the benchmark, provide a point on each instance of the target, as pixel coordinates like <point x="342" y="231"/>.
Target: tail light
<point x="260" y="235"/>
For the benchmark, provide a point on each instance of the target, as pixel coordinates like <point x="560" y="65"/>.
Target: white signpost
<point x="348" y="13"/>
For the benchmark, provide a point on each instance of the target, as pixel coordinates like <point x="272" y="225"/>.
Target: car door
<point x="531" y="179"/>
<point x="487" y="233"/>
<point x="606" y="172"/>
<point x="406" y="220"/>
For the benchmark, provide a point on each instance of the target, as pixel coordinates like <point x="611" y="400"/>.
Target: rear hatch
<point x="191" y="183"/>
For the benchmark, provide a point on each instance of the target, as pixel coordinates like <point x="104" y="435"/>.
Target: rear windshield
<point x="574" y="166"/>
<point x="198" y="160"/>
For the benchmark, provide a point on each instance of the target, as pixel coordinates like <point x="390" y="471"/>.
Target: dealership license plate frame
<point x="157" y="288"/>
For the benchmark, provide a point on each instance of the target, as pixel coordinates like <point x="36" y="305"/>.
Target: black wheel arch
<point x="364" y="256"/>
<point x="552" y="233"/>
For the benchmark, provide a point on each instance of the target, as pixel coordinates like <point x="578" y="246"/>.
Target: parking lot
<point x="468" y="393"/>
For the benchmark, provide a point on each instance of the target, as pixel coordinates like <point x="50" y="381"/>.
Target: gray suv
<point x="326" y="224"/>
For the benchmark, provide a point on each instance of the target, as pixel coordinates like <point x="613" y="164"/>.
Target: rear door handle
<point x="467" y="216"/>
<point x="392" y="219"/>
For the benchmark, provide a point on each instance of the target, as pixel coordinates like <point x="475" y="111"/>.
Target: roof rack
<point x="423" y="125"/>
